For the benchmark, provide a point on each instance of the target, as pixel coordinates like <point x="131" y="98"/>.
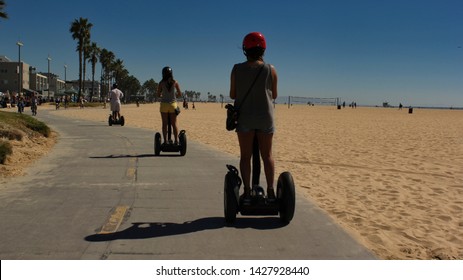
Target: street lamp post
<point x="65" y="70"/>
<point x="49" y="78"/>
<point x="65" y="77"/>
<point x="19" y="67"/>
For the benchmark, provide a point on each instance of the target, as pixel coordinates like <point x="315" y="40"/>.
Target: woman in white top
<point x="115" y="96"/>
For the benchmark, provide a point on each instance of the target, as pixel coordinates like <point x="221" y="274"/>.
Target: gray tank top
<point x="256" y="112"/>
<point x="168" y="96"/>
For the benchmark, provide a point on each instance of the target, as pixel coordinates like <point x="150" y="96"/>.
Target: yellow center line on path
<point x="114" y="220"/>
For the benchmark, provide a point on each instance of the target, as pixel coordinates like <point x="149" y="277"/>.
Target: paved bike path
<point x="102" y="194"/>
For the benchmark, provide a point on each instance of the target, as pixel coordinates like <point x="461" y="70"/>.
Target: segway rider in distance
<point x="166" y="91"/>
<point x="115" y="96"/>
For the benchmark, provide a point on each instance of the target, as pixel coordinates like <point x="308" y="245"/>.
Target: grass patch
<point x="14" y="126"/>
<point x="11" y="122"/>
<point x="36" y="125"/>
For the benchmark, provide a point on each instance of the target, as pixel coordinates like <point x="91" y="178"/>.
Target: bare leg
<point x="246" y="143"/>
<point x="173" y="121"/>
<point x="164" y="117"/>
<point x="265" y="147"/>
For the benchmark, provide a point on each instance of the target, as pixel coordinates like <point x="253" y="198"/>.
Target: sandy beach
<point x="393" y="180"/>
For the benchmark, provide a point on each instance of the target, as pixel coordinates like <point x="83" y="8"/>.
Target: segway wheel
<point x="157" y="144"/>
<point x="286" y="195"/>
<point x="122" y="120"/>
<point x="183" y="142"/>
<point x="110" y="121"/>
<point x="231" y="188"/>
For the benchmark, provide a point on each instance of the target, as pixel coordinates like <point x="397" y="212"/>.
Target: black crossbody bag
<point x="233" y="110"/>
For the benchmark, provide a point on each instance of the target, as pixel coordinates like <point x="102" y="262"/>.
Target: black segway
<point x="170" y="146"/>
<point x="120" y="121"/>
<point x="259" y="204"/>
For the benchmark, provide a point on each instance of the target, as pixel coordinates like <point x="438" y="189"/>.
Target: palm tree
<point x="118" y="69"/>
<point x="94" y="52"/>
<point x="2" y="13"/>
<point x="106" y="59"/>
<point x="103" y="58"/>
<point x="86" y="55"/>
<point x="80" y="30"/>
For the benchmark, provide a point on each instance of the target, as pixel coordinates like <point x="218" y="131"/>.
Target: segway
<point x="258" y="203"/>
<point x="120" y="121"/>
<point x="170" y="146"/>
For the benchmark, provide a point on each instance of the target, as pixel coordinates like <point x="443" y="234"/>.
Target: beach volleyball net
<point x="296" y="100"/>
<point x="226" y="99"/>
<point x="327" y="101"/>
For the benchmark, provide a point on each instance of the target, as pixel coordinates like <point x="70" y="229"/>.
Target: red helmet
<point x="254" y="39"/>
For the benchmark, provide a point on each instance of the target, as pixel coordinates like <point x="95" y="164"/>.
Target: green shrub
<point x="23" y="122"/>
<point x="38" y="126"/>
<point x="15" y="126"/>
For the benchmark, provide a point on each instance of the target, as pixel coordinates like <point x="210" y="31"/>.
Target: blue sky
<point x="363" y="51"/>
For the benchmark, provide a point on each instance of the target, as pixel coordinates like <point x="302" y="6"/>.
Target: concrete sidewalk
<point x="107" y="179"/>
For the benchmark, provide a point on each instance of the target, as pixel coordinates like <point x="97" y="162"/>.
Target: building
<point x="47" y="85"/>
<point x="54" y="87"/>
<point x="9" y="76"/>
<point x="38" y="82"/>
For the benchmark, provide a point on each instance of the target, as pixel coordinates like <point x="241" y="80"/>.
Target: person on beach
<point x="21" y="104"/>
<point x="253" y="86"/>
<point x="166" y="91"/>
<point x="66" y="101"/>
<point x="34" y="103"/>
<point x="115" y="96"/>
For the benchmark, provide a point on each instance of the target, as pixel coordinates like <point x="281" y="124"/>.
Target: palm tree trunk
<point x="84" y="69"/>
<point x="93" y="82"/>
<point x="80" y="76"/>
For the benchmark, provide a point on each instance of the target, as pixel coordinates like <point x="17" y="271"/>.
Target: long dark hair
<point x="255" y="54"/>
<point x="168" y="77"/>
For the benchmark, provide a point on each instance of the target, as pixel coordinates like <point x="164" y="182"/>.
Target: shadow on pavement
<point x="125" y="156"/>
<point x="158" y="229"/>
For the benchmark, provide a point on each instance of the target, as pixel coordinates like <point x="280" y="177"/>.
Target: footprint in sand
<point x="445" y="218"/>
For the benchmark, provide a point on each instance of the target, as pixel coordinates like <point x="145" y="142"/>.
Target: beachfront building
<point x="54" y="86"/>
<point x="38" y="82"/>
<point x="9" y="76"/>
<point x="47" y="85"/>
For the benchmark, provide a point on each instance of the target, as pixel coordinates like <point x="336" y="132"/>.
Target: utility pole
<point x="49" y="77"/>
<point x="20" y="82"/>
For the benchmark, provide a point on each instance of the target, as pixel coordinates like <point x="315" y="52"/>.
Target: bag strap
<point x="252" y="85"/>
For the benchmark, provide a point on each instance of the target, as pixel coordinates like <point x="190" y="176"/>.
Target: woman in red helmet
<point x="254" y="87"/>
